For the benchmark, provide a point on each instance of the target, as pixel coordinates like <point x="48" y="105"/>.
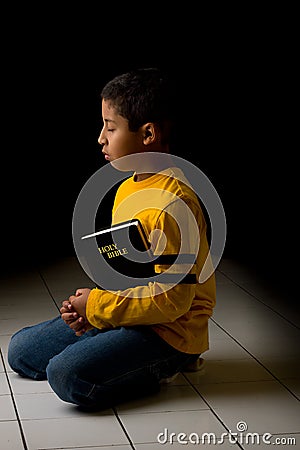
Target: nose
<point x="101" y="141"/>
<point x="101" y="138"/>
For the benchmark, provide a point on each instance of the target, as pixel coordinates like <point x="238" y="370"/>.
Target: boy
<point x="108" y="347"/>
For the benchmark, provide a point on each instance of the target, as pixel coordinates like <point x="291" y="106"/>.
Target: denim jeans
<point x="99" y="369"/>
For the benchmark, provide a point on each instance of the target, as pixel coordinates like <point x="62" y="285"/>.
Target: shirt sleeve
<point x="150" y="305"/>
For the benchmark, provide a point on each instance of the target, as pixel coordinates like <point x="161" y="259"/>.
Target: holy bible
<point x="126" y="249"/>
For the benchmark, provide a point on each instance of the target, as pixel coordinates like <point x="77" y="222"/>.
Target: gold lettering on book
<point x="108" y="248"/>
<point x="112" y="251"/>
<point x="115" y="253"/>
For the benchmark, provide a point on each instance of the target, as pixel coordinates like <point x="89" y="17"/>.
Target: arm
<point x="150" y="305"/>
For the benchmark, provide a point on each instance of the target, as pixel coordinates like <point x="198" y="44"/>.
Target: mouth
<point x="106" y="156"/>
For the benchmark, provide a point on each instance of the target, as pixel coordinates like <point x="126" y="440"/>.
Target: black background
<point x="236" y="122"/>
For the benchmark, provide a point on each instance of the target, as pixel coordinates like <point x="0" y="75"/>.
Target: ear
<point x="149" y="133"/>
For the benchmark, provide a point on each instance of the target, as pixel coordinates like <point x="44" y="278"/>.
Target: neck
<point x="142" y="176"/>
<point x="151" y="164"/>
<point x="144" y="164"/>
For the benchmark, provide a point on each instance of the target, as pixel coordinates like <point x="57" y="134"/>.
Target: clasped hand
<point x="73" y="311"/>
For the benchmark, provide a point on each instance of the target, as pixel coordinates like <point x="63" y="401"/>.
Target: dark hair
<point x="141" y="96"/>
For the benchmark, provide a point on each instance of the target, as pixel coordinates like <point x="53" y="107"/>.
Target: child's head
<point x="137" y="111"/>
<point x="140" y="96"/>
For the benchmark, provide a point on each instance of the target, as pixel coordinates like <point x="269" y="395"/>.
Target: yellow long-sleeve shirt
<point x="178" y="313"/>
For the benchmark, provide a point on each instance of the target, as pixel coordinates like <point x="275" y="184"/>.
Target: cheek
<point x="123" y="145"/>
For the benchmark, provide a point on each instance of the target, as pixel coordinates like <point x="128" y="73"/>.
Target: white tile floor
<point x="252" y="375"/>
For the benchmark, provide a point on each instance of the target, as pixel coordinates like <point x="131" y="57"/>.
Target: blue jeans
<point x="99" y="369"/>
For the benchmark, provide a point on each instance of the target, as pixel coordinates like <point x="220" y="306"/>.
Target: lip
<point x="106" y="156"/>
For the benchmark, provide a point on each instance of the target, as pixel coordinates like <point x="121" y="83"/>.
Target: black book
<point x="126" y="249"/>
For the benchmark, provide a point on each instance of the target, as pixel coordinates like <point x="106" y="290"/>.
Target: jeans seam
<point x="147" y="366"/>
<point x="89" y="395"/>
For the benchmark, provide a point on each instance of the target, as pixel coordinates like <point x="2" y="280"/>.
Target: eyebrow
<point x="109" y="120"/>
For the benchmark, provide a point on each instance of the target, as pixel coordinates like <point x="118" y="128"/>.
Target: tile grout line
<point x="210" y="408"/>
<point x="257" y="360"/>
<point x="47" y="287"/>
<point x="123" y="428"/>
<point x="259" y="300"/>
<point x="14" y="404"/>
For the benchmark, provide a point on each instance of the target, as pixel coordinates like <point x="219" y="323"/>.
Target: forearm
<point x="145" y="305"/>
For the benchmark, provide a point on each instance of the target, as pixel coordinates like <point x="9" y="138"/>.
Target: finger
<point x="67" y="317"/>
<point x="78" y="324"/>
<point x="64" y="306"/>
<point x="65" y="303"/>
<point x="81" y="332"/>
<point x="67" y="309"/>
<point x="70" y="317"/>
